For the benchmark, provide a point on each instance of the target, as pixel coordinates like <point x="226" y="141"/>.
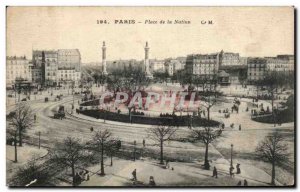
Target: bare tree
<point x="21" y="119"/>
<point x="112" y="147"/>
<point x="208" y="102"/>
<point x="273" y="150"/>
<point x="100" y="144"/>
<point x="161" y="134"/>
<point x="70" y="153"/>
<point x="206" y="135"/>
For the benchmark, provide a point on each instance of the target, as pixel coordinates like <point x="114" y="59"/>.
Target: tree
<point x="32" y="171"/>
<point x="272" y="81"/>
<point x="70" y="153"/>
<point x="112" y="147"/>
<point x="21" y="119"/>
<point x="161" y="134"/>
<point x="100" y="144"/>
<point x="242" y="76"/>
<point x="206" y="135"/>
<point x="273" y="150"/>
<point x="208" y="102"/>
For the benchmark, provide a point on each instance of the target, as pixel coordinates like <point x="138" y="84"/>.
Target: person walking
<point x="151" y="181"/>
<point x="239" y="183"/>
<point x="245" y="182"/>
<point x="215" y="172"/>
<point x="167" y="164"/>
<point x="134" y="175"/>
<point x="240" y="127"/>
<point x="238" y="169"/>
<point x="144" y="143"/>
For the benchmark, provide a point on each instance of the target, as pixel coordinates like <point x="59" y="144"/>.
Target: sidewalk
<point x="184" y="174"/>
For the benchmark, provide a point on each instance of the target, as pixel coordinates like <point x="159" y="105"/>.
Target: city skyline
<point x="242" y="34"/>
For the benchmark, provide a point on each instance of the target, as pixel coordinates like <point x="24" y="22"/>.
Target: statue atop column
<point x="104" y="71"/>
<point x="147" y="62"/>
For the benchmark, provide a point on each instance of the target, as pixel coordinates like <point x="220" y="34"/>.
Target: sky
<point x="250" y="31"/>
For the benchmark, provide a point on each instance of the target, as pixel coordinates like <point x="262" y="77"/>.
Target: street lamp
<point x="231" y="156"/>
<point x="134" y="143"/>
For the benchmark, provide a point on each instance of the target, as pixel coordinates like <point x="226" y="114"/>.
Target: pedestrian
<point x="223" y="125"/>
<point x="151" y="181"/>
<point x="240" y="127"/>
<point x="167" y="164"/>
<point x="134" y="175"/>
<point x="92" y="129"/>
<point x="215" y="172"/>
<point x="87" y="175"/>
<point x="144" y="143"/>
<point x="245" y="182"/>
<point x="239" y="183"/>
<point x="238" y="169"/>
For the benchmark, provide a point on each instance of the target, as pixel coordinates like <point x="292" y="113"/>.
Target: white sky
<point x="250" y="31"/>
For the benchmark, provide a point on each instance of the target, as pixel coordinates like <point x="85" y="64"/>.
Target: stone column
<point x="104" y="71"/>
<point x="146" y="62"/>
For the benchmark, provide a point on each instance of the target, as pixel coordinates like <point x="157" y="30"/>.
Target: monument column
<point x="147" y="63"/>
<point x="104" y="71"/>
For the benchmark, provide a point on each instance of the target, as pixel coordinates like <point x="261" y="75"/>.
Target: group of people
<point x="240" y="183"/>
<point x="81" y="176"/>
<point x="167" y="114"/>
<point x="231" y="173"/>
<point x="137" y="113"/>
<point x="231" y="126"/>
<point x="151" y="179"/>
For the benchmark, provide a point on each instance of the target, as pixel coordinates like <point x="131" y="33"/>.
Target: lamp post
<point x="134" y="143"/>
<point x="231" y="156"/>
<point x="39" y="139"/>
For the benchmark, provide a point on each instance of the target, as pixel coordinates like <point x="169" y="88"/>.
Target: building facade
<point x="17" y="68"/>
<point x="257" y="68"/>
<point x="202" y="64"/>
<point x="49" y="67"/>
<point x="69" y="58"/>
<point x="169" y="68"/>
<point x="66" y="76"/>
<point x="54" y="67"/>
<point x="229" y="59"/>
<point x="36" y="75"/>
<point x="157" y="65"/>
<point x="280" y="63"/>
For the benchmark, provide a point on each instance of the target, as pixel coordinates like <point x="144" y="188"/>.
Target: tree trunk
<point x="16" y="152"/>
<point x="272" y="103"/>
<point x="73" y="174"/>
<point x="111" y="159"/>
<point x="208" y="113"/>
<point x="273" y="174"/>
<point x="206" y="163"/>
<point x="20" y="137"/>
<point x="161" y="152"/>
<point x="102" y="160"/>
